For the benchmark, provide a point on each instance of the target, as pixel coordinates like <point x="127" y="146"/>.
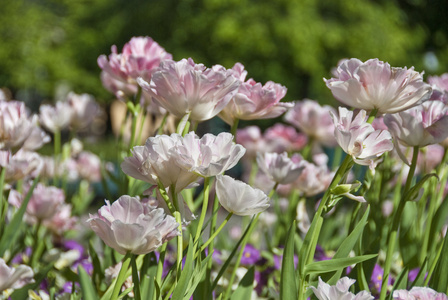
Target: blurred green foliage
<point x="46" y="43"/>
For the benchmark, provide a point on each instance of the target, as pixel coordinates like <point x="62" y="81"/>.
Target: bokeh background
<point x="48" y="47"/>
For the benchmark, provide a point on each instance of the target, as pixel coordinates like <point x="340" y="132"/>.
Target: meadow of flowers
<point x="330" y="203"/>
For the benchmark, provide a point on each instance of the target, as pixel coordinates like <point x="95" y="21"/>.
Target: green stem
<point x="57" y="143"/>
<point x="372" y="115"/>
<point x="135" y="111"/>
<point x="165" y="117"/>
<point x="182" y="123"/>
<point x="2" y="186"/>
<point x="204" y="209"/>
<point x="211" y="238"/>
<point x="312" y="236"/>
<point x="211" y="244"/>
<point x="121" y="276"/>
<point x="395" y="225"/>
<point x="240" y="255"/>
<point x="135" y="279"/>
<point x="34" y="255"/>
<point x="165" y="197"/>
<point x="234" y="128"/>
<point x="179" y="246"/>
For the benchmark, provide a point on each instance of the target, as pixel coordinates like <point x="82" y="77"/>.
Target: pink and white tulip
<point x="131" y="226"/>
<point x="340" y="291"/>
<point x="255" y="101"/>
<point x="44" y="203"/>
<point x="210" y="155"/>
<point x="18" y="129"/>
<point x="14" y="278"/>
<point x="85" y="109"/>
<point x="240" y="198"/>
<point x="156" y="162"/>
<point x="376" y="85"/>
<point x="419" y="293"/>
<point x="280" y="138"/>
<point x="359" y="139"/>
<point x="140" y="56"/>
<point x="21" y="165"/>
<point x="279" y="167"/>
<point x="314" y="120"/>
<point x="185" y="87"/>
<point x="56" y="118"/>
<point x="421" y="125"/>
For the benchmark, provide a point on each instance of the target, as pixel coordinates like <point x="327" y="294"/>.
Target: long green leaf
<point x="288" y="285"/>
<point x="13" y="228"/>
<point x="197" y="277"/>
<point x="185" y="276"/>
<point x="401" y="281"/>
<point x="412" y="193"/>
<point x="335" y="264"/>
<point x="246" y="286"/>
<point x="348" y="244"/>
<point x="88" y="291"/>
<point x="439" y="279"/>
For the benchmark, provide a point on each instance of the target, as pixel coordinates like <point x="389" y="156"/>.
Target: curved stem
<point x="395" y="225"/>
<point x="211" y="238"/>
<point x="204" y="208"/>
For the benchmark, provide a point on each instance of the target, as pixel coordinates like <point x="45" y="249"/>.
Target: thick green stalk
<point x="57" y="143"/>
<point x="395" y="225"/>
<point x="121" y="276"/>
<point x="135" y="278"/>
<point x="180" y="245"/>
<point x="234" y="128"/>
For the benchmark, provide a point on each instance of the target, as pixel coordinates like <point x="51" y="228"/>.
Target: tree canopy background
<point x="49" y="44"/>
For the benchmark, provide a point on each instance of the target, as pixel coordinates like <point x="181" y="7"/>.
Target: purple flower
<point x="376" y="279"/>
<point x="250" y="255"/>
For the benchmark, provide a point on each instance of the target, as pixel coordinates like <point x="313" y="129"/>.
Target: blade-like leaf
<point x="185" y="276"/>
<point x="288" y="286"/>
<point x="348" y="244"/>
<point x="246" y="286"/>
<point x="335" y="264"/>
<point x="13" y="228"/>
<point x="88" y="291"/>
<point x="439" y="279"/>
